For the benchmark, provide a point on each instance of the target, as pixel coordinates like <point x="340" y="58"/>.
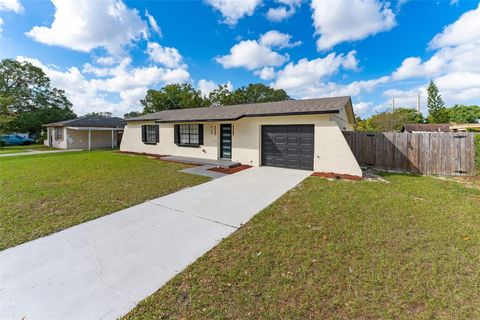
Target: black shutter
<point x="200" y="134"/>
<point x="144" y="133"/>
<point x="176" y="134"/>
<point x="157" y="133"/>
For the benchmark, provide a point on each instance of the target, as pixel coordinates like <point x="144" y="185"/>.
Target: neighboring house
<point x="463" y="127"/>
<point x="302" y="134"/>
<point x="426" y="127"/>
<point x="442" y="127"/>
<point x="85" y="133"/>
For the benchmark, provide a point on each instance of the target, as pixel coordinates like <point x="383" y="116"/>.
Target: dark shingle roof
<point x="113" y="122"/>
<point x="235" y="112"/>
<point x="426" y="127"/>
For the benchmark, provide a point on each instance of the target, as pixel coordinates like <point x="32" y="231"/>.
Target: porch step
<point x="218" y="163"/>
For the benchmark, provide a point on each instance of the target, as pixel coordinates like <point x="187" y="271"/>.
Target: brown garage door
<point x="288" y="146"/>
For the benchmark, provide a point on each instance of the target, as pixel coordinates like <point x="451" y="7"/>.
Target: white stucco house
<point x="85" y="133"/>
<point x="300" y="134"/>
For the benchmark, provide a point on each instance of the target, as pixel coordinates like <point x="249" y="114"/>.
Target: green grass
<point x="42" y="194"/>
<point x="20" y="149"/>
<point x="340" y="250"/>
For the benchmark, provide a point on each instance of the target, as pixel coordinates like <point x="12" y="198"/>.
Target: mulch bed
<point x="332" y="175"/>
<point x="230" y="170"/>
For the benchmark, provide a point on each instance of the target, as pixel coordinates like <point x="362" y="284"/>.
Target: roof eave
<point x="247" y="116"/>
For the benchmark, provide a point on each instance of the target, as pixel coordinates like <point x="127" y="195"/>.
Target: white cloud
<point x="234" y="10"/>
<point x="312" y="72"/>
<point x="454" y="65"/>
<point x="349" y="20"/>
<point x="278" y="14"/>
<point x="274" y="38"/>
<point x="251" y="55"/>
<point x="106" y="61"/>
<point x="267" y="73"/>
<point x="207" y="86"/>
<point x="129" y="84"/>
<point x="464" y="30"/>
<point x="361" y="108"/>
<point x="84" y="25"/>
<point x="11" y="5"/>
<point x="286" y="9"/>
<point x="169" y="57"/>
<point x="153" y="24"/>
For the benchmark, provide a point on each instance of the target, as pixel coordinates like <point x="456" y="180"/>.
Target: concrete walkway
<point x="101" y="269"/>
<point x="28" y="153"/>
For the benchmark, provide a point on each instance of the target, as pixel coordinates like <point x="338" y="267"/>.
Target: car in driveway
<point x="16" y="140"/>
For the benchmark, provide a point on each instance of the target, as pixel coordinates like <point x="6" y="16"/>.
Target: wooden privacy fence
<point x="450" y="154"/>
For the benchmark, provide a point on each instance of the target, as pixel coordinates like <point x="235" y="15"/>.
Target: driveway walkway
<point x="101" y="269"/>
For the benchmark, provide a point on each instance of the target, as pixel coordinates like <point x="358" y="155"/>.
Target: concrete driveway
<point x="101" y="269"/>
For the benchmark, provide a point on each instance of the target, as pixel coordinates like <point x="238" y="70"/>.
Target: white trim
<point x="95" y="128"/>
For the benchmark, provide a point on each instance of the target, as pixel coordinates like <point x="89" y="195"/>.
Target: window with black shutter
<point x="150" y="134"/>
<point x="190" y="135"/>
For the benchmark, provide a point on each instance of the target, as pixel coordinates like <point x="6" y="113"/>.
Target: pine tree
<point x="437" y="113"/>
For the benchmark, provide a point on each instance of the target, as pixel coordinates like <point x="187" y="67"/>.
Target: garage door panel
<point x="288" y="146"/>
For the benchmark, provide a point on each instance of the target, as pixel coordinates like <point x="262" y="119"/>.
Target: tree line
<point x="27" y="101"/>
<point x="437" y="113"/>
<point x="181" y="96"/>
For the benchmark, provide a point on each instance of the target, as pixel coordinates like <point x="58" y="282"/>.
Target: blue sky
<point x="106" y="54"/>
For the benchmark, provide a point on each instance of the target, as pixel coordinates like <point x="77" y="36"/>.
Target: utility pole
<point x="393" y="104"/>
<point x="418" y="102"/>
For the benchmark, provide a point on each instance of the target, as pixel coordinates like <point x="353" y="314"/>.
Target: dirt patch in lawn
<point x="336" y="176"/>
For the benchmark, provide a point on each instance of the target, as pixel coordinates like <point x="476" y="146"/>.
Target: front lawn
<point x="42" y="194"/>
<point x="408" y="249"/>
<point x="20" y="149"/>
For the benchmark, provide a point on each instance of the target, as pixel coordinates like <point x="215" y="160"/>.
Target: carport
<point x="85" y="133"/>
<point x="115" y="142"/>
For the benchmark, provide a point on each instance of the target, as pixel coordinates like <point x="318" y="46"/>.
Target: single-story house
<point x="426" y="127"/>
<point x="301" y="134"/>
<point x="85" y="133"/>
<point x="464" y="127"/>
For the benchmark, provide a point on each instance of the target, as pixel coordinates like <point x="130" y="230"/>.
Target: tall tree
<point x="464" y="114"/>
<point x="437" y="113"/>
<point x="25" y="93"/>
<point x="258" y="92"/>
<point x="31" y="122"/>
<point x="252" y="93"/>
<point x="390" y="121"/>
<point x="222" y="96"/>
<point x="97" y="115"/>
<point x="132" y="114"/>
<point x="173" y="96"/>
<point x="24" y="87"/>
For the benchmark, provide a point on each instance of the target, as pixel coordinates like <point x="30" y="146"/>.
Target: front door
<point x="226" y="141"/>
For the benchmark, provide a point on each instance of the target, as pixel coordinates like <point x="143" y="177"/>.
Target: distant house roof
<point x="235" y="112"/>
<point x="113" y="122"/>
<point x="426" y="127"/>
